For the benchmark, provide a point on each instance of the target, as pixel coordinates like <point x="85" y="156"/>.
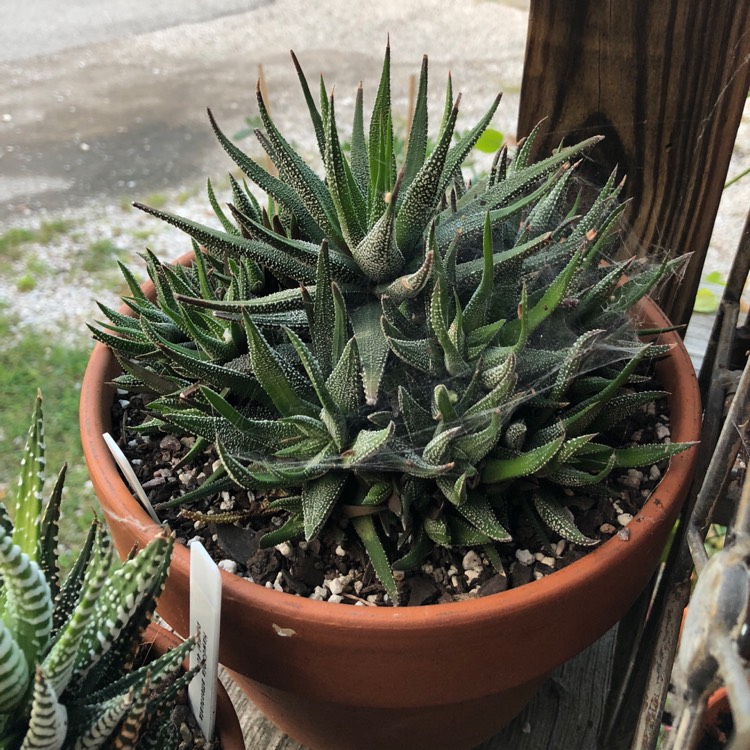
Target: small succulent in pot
<point x="389" y="348"/>
<point x="67" y="648"/>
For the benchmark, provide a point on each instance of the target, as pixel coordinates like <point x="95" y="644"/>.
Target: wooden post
<point x="666" y="83"/>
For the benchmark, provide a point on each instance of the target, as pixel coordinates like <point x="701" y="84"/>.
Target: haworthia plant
<point x="67" y="679"/>
<point x="444" y="356"/>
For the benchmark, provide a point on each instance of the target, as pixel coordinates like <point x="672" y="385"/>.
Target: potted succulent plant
<point x="75" y="666"/>
<point x="392" y="361"/>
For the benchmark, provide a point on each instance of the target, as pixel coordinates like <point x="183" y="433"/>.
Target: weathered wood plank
<point x="665" y="82"/>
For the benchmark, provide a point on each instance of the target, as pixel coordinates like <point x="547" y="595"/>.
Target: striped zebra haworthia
<point x="391" y="350"/>
<point x="67" y="647"/>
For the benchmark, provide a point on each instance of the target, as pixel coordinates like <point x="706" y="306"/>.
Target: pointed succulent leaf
<point x="98" y="730"/>
<point x="639" y="286"/>
<point x="420" y="548"/>
<point x="423" y="194"/>
<point x="648" y="454"/>
<point x="244" y="200"/>
<point x="478" y="511"/>
<point x="443" y="405"/>
<point x="458" y="153"/>
<point x="417" y="146"/>
<point x="30" y="486"/>
<point x="567" y="476"/>
<point x="621" y="407"/>
<point x="377" y="494"/>
<point x="359" y="157"/>
<point x="552" y="297"/>
<point x="523" y="153"/>
<point x="263" y="433"/>
<point x="220" y="242"/>
<point x="48" y="722"/>
<point x="71" y="587"/>
<point x="378" y="253"/>
<point x="220" y="215"/>
<point x="331" y="413"/>
<point x="318" y="500"/>
<point x="436" y="451"/>
<point x="298" y="175"/>
<point x="195" y="368"/>
<point x="366" y="531"/>
<point x="59" y="663"/>
<point x="437" y="530"/>
<point x="559" y="519"/>
<point x="347" y="198"/>
<point x="521" y="180"/>
<point x="477" y="445"/>
<point x="400" y="321"/>
<point x="272" y="185"/>
<point x="291" y="531"/>
<point x="148" y="380"/>
<point x="571" y="366"/>
<point x="418" y="421"/>
<point x="600" y="294"/>
<point x="372" y="347"/>
<point x="344" y="382"/>
<point x="469" y="273"/>
<point x="500" y="470"/>
<point x="454" y="361"/>
<point x="271" y="374"/>
<point x="342" y="266"/>
<point x="454" y="490"/>
<point x="412" y="464"/>
<point x="475" y="314"/>
<point x="317" y="120"/>
<point x="49" y="535"/>
<point x="367" y="444"/>
<point x="324" y="314"/>
<point x="14" y="672"/>
<point x="27" y="605"/>
<point x="380" y="144"/>
<point x="410" y="285"/>
<point x="417" y="353"/>
<point x="138" y="578"/>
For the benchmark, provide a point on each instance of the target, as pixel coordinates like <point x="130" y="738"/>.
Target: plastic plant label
<point x="125" y="467"/>
<point x="205" y="616"/>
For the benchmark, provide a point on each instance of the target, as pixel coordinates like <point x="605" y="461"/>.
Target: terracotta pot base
<point x="321" y="725"/>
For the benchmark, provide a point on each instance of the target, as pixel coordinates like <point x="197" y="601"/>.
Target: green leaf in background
<point x="705" y="302"/>
<point x="490" y="141"/>
<point x="715" y="278"/>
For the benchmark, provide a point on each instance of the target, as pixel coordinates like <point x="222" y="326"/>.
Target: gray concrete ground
<point x="127" y="115"/>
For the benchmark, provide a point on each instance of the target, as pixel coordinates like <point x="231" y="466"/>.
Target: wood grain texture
<point x="666" y="83"/>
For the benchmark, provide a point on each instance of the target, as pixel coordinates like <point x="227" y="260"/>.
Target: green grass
<point x="25" y="365"/>
<point x="156" y="200"/>
<point x="101" y="255"/>
<point x="26" y="283"/>
<point x="13" y="241"/>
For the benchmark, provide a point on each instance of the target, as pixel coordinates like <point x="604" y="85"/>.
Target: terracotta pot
<point x="228" y="728"/>
<point x="445" y="676"/>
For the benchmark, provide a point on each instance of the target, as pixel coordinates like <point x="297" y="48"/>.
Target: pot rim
<point x="675" y="370"/>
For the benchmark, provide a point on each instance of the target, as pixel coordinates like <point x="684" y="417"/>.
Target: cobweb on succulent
<point x="390" y="347"/>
